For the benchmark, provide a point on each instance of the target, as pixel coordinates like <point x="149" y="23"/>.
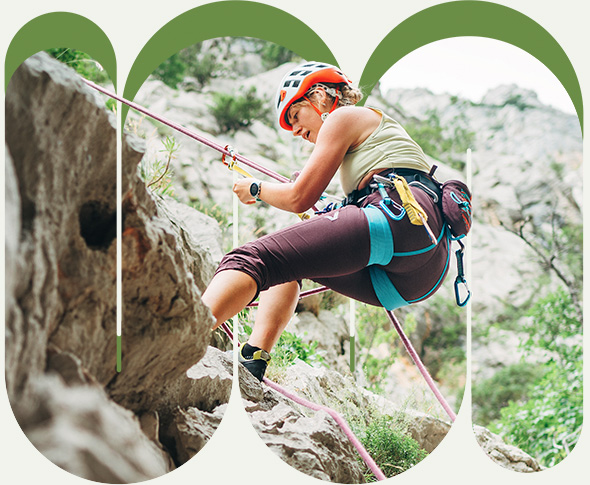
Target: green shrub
<point x="237" y="112"/>
<point x="385" y="438"/>
<point x="172" y="71"/>
<point x="273" y="55"/>
<point x="290" y="347"/>
<point x="430" y="135"/>
<point x="286" y="351"/>
<point x="548" y="422"/>
<point x="511" y="383"/>
<point x="445" y="342"/>
<point x="374" y="329"/>
<point x="203" y="69"/>
<point x="81" y="62"/>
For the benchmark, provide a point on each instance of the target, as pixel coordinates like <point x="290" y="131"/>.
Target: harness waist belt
<point x="414" y="178"/>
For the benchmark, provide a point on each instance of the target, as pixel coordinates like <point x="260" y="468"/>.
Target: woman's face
<point x="305" y="120"/>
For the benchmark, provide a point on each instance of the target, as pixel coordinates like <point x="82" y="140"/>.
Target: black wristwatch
<point x="255" y="189"/>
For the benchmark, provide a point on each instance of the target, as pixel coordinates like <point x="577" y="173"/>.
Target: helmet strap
<point x="323" y="116"/>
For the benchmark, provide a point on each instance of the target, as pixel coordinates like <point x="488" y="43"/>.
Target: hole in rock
<point x="98" y="224"/>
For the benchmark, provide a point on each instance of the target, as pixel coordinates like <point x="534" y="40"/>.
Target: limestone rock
<point x="62" y="143"/>
<point x="73" y="427"/>
<point x="313" y="445"/>
<point x="166" y="326"/>
<point x="191" y="429"/>
<point x="507" y="456"/>
<point x="331" y="333"/>
<point x="61" y="288"/>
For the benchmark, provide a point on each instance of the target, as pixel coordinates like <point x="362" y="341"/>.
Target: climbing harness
<point x="236" y="157"/>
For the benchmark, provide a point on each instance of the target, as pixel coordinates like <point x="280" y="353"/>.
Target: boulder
<point x="165" y="265"/>
<point x="313" y="445"/>
<point x="503" y="454"/>
<point x="61" y="293"/>
<point x="74" y="427"/>
<point x="62" y="144"/>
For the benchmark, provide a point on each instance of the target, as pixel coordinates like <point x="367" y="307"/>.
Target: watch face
<point x="254" y="189"/>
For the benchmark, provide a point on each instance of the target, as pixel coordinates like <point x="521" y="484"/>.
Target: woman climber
<point x="366" y="248"/>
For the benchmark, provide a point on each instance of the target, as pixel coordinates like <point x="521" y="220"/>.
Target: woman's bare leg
<point x="275" y="309"/>
<point x="228" y="293"/>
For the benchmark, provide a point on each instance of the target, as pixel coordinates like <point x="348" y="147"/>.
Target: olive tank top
<point x="389" y="146"/>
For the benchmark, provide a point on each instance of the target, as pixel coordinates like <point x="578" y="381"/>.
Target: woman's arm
<point x="341" y="130"/>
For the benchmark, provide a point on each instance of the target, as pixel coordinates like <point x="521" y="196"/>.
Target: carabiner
<point x="386" y="200"/>
<point x="460" y="280"/>
<point x="396" y="217"/>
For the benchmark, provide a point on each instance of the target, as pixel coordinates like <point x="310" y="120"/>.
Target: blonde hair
<point x="347" y="95"/>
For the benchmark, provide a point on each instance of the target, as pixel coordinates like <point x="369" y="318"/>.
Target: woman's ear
<point x="323" y="97"/>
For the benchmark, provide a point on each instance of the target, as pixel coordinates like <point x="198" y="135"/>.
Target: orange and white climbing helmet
<point x="299" y="80"/>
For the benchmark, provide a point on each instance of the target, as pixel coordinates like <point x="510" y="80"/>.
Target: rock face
<point x="505" y="455"/>
<point x="62" y="382"/>
<point x="62" y="145"/>
<point x="310" y="442"/>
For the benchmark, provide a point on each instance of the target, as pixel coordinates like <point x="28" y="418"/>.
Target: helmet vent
<point x="296" y="83"/>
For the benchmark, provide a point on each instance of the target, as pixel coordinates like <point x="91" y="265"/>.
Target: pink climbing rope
<point x="313" y="291"/>
<point x="339" y="420"/>
<point x="185" y="131"/>
<point x="420" y="365"/>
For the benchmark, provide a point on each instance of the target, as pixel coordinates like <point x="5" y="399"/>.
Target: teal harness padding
<point x="385" y="290"/>
<point x="381" y="237"/>
<point x="382" y="251"/>
<point x="381" y="254"/>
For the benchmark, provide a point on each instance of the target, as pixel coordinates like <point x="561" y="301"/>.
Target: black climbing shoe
<point x="254" y="359"/>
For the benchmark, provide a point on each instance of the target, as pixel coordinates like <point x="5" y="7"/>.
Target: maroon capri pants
<point x="333" y="249"/>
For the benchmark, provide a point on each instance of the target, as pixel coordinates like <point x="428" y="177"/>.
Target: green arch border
<point x="479" y="19"/>
<point x="221" y="19"/>
<point x="60" y="29"/>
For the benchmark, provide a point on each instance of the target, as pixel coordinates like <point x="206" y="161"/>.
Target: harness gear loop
<point x="415" y="212"/>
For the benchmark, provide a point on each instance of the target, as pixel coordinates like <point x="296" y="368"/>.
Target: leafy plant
<point x="273" y="55"/>
<point x="290" y="347"/>
<point x="374" y="329"/>
<point x="511" y="383"/>
<point x="286" y="351"/>
<point x="385" y="438"/>
<point x="547" y="423"/>
<point x="431" y="137"/>
<point x="445" y="343"/>
<point x="172" y="71"/>
<point x="237" y="112"/>
<point x="156" y="173"/>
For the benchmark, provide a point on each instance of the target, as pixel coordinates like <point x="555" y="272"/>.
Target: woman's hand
<point x="242" y="190"/>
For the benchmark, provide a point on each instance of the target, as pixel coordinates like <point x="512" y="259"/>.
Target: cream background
<point x="352" y="30"/>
